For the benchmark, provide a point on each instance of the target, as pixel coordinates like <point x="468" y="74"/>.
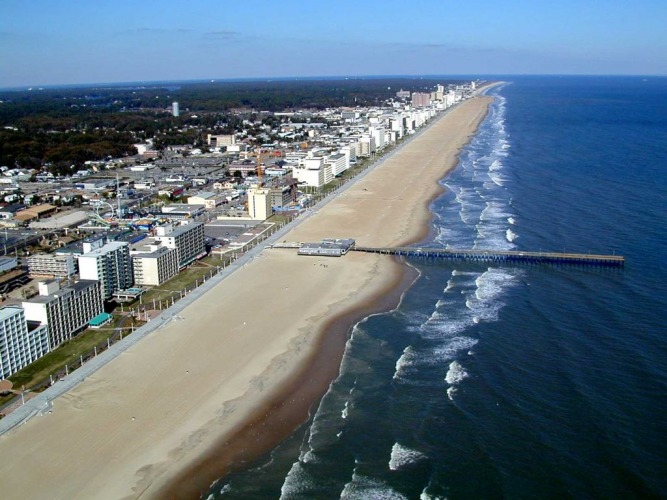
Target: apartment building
<point x="187" y="239"/>
<point x="338" y="163"/>
<point x="155" y="264"/>
<point x="64" y="311"/>
<point x="216" y="141"/>
<point x="420" y="99"/>
<point x="313" y="172"/>
<point x="20" y="343"/>
<point x="55" y="266"/>
<point x="110" y="264"/>
<point x="259" y="203"/>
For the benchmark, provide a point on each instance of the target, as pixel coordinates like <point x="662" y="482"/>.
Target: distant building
<point x="283" y="196"/>
<point x="187" y="239"/>
<point x="216" y="141"/>
<point x="110" y="265"/>
<point x="182" y="211"/>
<point x="65" y="311"/>
<point x="21" y="343"/>
<point x="259" y="203"/>
<point x="174" y="109"/>
<point x="7" y="264"/>
<point x="208" y="199"/>
<point x="9" y="211"/>
<point x="55" y="266"/>
<point x="421" y="99"/>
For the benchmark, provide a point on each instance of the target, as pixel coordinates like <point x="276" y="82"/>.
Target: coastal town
<point x="89" y="258"/>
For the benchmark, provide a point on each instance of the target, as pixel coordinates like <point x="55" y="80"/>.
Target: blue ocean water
<point x="514" y="382"/>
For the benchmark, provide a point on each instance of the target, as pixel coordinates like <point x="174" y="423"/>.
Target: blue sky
<point x="45" y="42"/>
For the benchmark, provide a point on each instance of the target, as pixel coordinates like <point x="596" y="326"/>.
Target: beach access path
<point x="203" y="371"/>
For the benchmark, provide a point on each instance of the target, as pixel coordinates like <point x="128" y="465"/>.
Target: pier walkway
<point x="502" y="256"/>
<point x="499" y="256"/>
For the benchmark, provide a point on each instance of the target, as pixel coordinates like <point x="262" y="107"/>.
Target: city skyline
<point x="76" y="42"/>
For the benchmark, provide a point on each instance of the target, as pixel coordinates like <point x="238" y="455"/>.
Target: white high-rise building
<point x="20" y="343"/>
<point x="174" y="109"/>
<point x="187" y="239"/>
<point x="65" y="311"/>
<point x="153" y="263"/>
<point x="313" y="172"/>
<point x="110" y="264"/>
<point x="339" y="163"/>
<point x="259" y="203"/>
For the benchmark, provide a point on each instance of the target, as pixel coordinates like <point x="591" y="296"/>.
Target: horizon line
<point x="54" y="86"/>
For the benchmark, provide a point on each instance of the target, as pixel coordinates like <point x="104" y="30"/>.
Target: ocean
<point x="493" y="381"/>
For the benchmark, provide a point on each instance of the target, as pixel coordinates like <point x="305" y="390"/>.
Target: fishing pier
<point x="338" y="248"/>
<point x="500" y="256"/>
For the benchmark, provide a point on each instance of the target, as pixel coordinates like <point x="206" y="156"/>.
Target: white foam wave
<point x="498" y="179"/>
<point x="450" y="392"/>
<point x="413" y="357"/>
<point x="511" y="235"/>
<point x="456" y="373"/>
<point x="297" y="482"/>
<point x="455" y="346"/>
<point x="364" y="488"/>
<point x="344" y="413"/>
<point x="511" y="220"/>
<point x="492" y="283"/>
<point x="495" y="165"/>
<point x="402" y="457"/>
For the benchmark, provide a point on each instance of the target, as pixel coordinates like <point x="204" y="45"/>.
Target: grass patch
<point x="185" y="280"/>
<point x="68" y="353"/>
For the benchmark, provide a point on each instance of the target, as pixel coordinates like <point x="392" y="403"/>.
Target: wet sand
<point x="246" y="362"/>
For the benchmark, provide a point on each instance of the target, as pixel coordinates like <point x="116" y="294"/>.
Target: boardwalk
<point x="500" y="256"/>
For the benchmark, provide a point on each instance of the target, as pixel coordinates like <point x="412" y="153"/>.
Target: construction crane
<point x="259" y="155"/>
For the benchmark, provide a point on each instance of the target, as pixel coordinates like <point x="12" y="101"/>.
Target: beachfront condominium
<point x="110" y="264"/>
<point x="153" y="263"/>
<point x="65" y="311"/>
<point x="54" y="266"/>
<point x="21" y="342"/>
<point x="187" y="239"/>
<point x="420" y="99"/>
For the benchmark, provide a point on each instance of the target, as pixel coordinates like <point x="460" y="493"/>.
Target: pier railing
<point x="506" y="256"/>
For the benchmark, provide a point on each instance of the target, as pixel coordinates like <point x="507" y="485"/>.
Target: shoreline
<point x="291" y="405"/>
<point x="287" y="410"/>
<point x="169" y="403"/>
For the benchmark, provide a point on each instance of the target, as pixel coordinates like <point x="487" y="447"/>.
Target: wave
<point x="297" y="483"/>
<point x="511" y="235"/>
<point x="413" y="359"/>
<point x="450" y="392"/>
<point x="456" y="373"/>
<point x="403" y="457"/>
<point x="364" y="487"/>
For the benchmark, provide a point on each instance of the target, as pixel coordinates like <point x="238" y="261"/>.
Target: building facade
<point x="259" y="203"/>
<point x="111" y="265"/>
<point x="20" y="343"/>
<point x="56" y="266"/>
<point x="187" y="239"/>
<point x="65" y="311"/>
<point x="156" y="267"/>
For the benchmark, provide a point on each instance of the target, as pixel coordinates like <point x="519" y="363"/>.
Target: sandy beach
<point x="238" y="369"/>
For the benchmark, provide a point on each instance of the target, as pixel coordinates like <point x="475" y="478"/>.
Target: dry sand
<point x="251" y="353"/>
